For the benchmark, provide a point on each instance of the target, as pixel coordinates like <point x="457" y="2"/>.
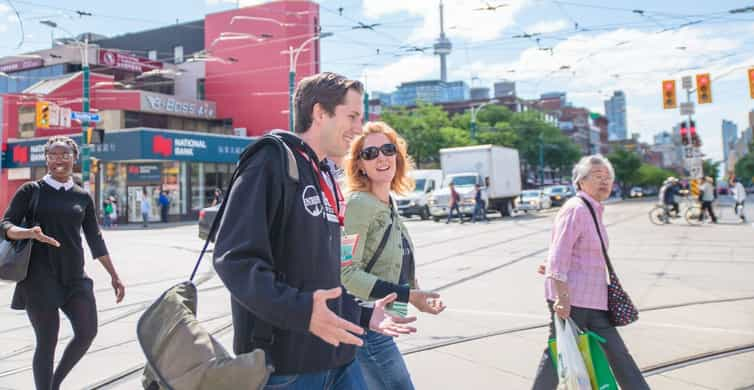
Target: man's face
<point x="340" y="129"/>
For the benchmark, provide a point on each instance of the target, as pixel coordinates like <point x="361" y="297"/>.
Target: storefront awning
<point x="139" y="144"/>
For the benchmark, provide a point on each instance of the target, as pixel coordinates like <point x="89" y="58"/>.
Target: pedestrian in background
<point x="107" y="210"/>
<point x="55" y="277"/>
<point x="382" y="260"/>
<point x="739" y="196"/>
<point x="218" y="197"/>
<point x="164" y="201"/>
<point x="708" y="196"/>
<point x="575" y="284"/>
<point x="455" y="199"/>
<point x="480" y="210"/>
<point x="146" y="207"/>
<point x="114" y="215"/>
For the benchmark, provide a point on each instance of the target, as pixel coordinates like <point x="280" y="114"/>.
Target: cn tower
<point x="443" y="47"/>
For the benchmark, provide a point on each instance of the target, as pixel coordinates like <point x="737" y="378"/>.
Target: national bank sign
<point x="166" y="104"/>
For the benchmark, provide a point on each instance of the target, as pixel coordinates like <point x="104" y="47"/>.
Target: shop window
<point x="198" y="198"/>
<point x="200" y="89"/>
<point x="170" y="173"/>
<point x="152" y="55"/>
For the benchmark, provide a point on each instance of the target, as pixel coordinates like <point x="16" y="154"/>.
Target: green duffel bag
<point x="182" y="355"/>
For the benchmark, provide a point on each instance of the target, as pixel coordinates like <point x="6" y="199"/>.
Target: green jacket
<point x="368" y="217"/>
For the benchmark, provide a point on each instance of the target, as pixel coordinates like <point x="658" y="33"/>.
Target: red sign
<point x="118" y="60"/>
<point x="162" y="146"/>
<point x="20" y="154"/>
<point x="21" y="65"/>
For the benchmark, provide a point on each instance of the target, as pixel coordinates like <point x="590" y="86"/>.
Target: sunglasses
<point x="372" y="152"/>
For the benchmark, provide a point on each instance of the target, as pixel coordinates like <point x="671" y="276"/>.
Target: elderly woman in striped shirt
<point x="576" y="273"/>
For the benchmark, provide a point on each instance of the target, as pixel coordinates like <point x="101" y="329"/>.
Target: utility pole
<point x="541" y="159"/>
<point x="85" y="121"/>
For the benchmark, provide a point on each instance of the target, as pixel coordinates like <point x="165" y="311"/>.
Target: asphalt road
<point x="693" y="285"/>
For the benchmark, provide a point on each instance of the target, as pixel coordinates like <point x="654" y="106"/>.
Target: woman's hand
<point x="35" y="233"/>
<point x="118" y="288"/>
<point x="426" y="301"/>
<point x="390" y="325"/>
<point x="562" y="306"/>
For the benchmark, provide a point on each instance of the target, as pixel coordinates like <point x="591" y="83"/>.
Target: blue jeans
<point x="458" y="211"/>
<point x="343" y="378"/>
<point x="480" y="212"/>
<point x="382" y="363"/>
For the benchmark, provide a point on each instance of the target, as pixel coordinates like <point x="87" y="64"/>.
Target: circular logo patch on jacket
<point x="312" y="201"/>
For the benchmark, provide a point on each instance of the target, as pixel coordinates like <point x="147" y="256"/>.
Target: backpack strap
<point x="289" y="165"/>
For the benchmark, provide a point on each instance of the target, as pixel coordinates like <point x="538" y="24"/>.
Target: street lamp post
<point x="293" y="56"/>
<point x="85" y="153"/>
<point x="474" y="112"/>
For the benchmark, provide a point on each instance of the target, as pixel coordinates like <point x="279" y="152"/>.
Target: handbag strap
<point x="599" y="234"/>
<point x="383" y="242"/>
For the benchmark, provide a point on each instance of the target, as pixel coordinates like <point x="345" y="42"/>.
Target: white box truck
<point x="495" y="168"/>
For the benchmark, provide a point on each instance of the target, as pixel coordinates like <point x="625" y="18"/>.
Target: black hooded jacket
<point x="278" y="242"/>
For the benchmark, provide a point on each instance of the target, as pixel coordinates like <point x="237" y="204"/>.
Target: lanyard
<point x="333" y="199"/>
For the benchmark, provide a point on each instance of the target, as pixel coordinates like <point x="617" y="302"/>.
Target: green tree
<point x="626" y="165"/>
<point x="711" y="168"/>
<point x="745" y="168"/>
<point x="651" y="176"/>
<point x="421" y="129"/>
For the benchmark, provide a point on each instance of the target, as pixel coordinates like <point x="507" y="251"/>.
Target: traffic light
<point x="703" y="88"/>
<point x="43" y="115"/>
<point x="695" y="141"/>
<point x="668" y="94"/>
<point x="684" y="133"/>
<point x="95" y="136"/>
<point x="94" y="165"/>
<point x="751" y="82"/>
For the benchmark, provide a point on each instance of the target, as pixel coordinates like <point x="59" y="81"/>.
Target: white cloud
<point x="636" y="62"/>
<point x="462" y="20"/>
<point x="548" y="26"/>
<point x="416" y="67"/>
<point x="4" y="8"/>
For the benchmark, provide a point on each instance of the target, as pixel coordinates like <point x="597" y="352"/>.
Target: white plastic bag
<point x="572" y="373"/>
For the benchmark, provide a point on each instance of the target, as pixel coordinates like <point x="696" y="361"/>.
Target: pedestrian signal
<point x="43" y="115"/>
<point x="669" y="99"/>
<point x="703" y="88"/>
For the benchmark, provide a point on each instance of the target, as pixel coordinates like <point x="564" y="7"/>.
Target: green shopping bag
<point x="600" y="373"/>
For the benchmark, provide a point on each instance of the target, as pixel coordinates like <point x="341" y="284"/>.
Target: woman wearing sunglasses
<point x="381" y="260"/>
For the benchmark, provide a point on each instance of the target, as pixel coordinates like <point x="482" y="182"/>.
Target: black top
<point x="55" y="273"/>
<point x="272" y="265"/>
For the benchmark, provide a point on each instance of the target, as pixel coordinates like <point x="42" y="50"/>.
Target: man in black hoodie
<point x="278" y="250"/>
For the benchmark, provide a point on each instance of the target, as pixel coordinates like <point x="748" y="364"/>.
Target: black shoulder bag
<point x="15" y="254"/>
<point x="620" y="308"/>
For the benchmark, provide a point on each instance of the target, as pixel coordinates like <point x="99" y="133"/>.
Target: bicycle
<point x="659" y="215"/>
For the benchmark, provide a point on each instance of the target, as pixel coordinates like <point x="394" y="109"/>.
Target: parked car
<point x="636" y="192"/>
<point x="533" y="200"/>
<point x="559" y="194"/>
<point x="206" y="218"/>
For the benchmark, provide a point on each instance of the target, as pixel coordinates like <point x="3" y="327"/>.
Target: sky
<point x="586" y="48"/>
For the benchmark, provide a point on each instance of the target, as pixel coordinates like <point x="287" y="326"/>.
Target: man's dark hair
<point x="326" y="88"/>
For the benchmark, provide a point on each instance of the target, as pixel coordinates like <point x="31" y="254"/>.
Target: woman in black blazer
<point x="56" y="277"/>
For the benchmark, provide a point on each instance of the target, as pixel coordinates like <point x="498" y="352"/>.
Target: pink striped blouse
<point x="575" y="256"/>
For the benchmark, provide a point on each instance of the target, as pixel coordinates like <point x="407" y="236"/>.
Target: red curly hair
<point x="402" y="183"/>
